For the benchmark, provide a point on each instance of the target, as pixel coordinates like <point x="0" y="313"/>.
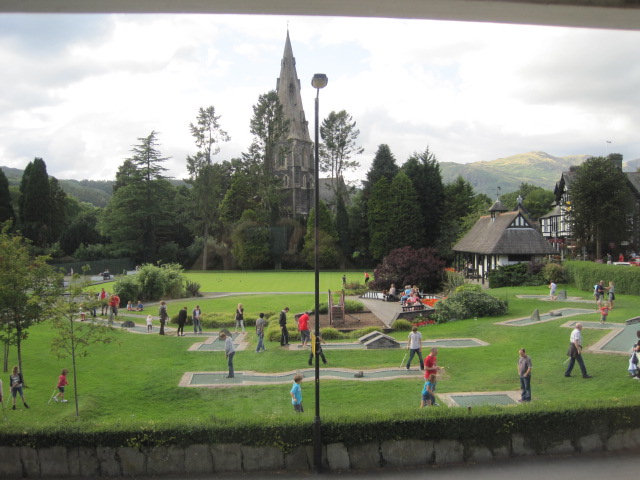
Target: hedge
<point x="584" y="275"/>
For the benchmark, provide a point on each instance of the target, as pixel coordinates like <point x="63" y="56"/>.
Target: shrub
<point x="452" y="280"/>
<point x="554" y="272"/>
<point x="363" y="331"/>
<point x="353" y="306"/>
<point x="469" y="287"/>
<point x="193" y="288"/>
<point x="153" y="283"/>
<point x="585" y="274"/>
<point x="515" y="276"/>
<point x="409" y="266"/>
<point x="127" y="288"/>
<point x="401" y="325"/>
<point x="468" y="304"/>
<point x="330" y="333"/>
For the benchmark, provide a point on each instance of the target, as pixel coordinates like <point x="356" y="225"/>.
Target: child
<point x="296" y="394"/>
<point x="62" y="381"/>
<point x="313" y="350"/>
<point x="633" y="361"/>
<point x="427" y="392"/>
<point x="129" y="306"/>
<point x="15" y="384"/>
<point x="604" y="311"/>
<point x="140" y="306"/>
<point x="149" y="323"/>
<point x="83" y="314"/>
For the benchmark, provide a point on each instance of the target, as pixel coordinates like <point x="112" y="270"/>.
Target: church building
<point x="295" y="168"/>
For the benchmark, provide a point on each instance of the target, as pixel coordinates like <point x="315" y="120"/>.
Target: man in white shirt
<point x="575" y="352"/>
<point x="229" y="352"/>
<point x="415" y="346"/>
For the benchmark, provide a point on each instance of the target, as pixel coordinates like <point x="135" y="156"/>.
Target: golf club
<point x="52" y="395"/>
<point x="405" y="356"/>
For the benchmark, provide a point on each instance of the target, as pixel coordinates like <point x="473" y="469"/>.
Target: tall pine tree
<point x="6" y="207"/>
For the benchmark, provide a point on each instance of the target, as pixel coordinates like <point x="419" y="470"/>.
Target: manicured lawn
<point x="135" y="380"/>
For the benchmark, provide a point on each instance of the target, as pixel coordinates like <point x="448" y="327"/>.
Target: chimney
<point x="616" y="159"/>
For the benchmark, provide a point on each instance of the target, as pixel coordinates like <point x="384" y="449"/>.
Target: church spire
<point x="288" y="88"/>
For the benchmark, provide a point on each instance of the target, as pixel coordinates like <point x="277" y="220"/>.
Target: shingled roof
<point x="509" y="234"/>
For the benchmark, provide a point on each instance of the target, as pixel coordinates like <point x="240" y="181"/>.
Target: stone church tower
<point x="295" y="168"/>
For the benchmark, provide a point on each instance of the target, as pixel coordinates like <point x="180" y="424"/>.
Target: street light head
<point x="319" y="81"/>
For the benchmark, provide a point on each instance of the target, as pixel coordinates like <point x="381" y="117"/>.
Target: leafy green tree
<point x="203" y="176"/>
<point x="342" y="227"/>
<point x="327" y="238"/>
<point x="424" y="172"/>
<point x="339" y="145"/>
<point x="379" y="213"/>
<point x="238" y="198"/>
<point x="6" y="205"/>
<point x="59" y="203"/>
<point x="601" y="204"/>
<point x="270" y="129"/>
<point x="28" y="289"/>
<point x="251" y="242"/>
<point x="127" y="174"/>
<point x="537" y="200"/>
<point x="72" y="338"/>
<point x="83" y="230"/>
<point x="35" y="211"/>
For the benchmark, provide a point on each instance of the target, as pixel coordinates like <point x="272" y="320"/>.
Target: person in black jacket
<point x="284" y="338"/>
<point x="182" y="319"/>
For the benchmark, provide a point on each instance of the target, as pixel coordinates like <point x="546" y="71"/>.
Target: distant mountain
<point x="535" y="168"/>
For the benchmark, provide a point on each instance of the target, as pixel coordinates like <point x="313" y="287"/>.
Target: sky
<point x="80" y="91"/>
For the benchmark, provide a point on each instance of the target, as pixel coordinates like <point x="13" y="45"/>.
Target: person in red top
<point x="431" y="367"/>
<point x="303" y="328"/>
<point x="114" y="303"/>
<point x="62" y="382"/>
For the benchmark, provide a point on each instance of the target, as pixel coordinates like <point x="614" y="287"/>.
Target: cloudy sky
<point x="79" y="90"/>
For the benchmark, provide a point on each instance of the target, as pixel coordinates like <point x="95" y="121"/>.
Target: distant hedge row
<point x="584" y="275"/>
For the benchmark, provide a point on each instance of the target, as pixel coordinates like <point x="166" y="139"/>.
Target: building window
<point x="285" y="181"/>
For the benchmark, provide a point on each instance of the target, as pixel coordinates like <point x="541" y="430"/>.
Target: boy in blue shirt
<point x="296" y="394"/>
<point x="427" y="392"/>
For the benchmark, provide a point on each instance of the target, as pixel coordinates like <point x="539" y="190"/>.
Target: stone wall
<point x="21" y="462"/>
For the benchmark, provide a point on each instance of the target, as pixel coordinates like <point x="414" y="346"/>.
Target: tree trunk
<point x="598" y="244"/>
<point x="5" y="363"/>
<point x="75" y="376"/>
<point x="19" y="347"/>
<point x="205" y="237"/>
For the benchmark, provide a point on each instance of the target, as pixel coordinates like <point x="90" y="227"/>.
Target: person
<point x="229" y="352"/>
<point x="303" y="328"/>
<point x="575" y="352"/>
<point x="552" y="290"/>
<point x="366" y="278"/>
<point x="240" y="317"/>
<point x="392" y="294"/>
<point x="431" y="367"/>
<point x="344" y="281"/>
<point x="140" y="307"/>
<point x="599" y="292"/>
<point x="296" y="393"/>
<point x="427" y="392"/>
<point x="415" y="346"/>
<point x="15" y="384"/>
<point x="284" y="337"/>
<point x="612" y="295"/>
<point x="621" y="257"/>
<point x="197" y="324"/>
<point x="608" y="259"/>
<point x="149" y="323"/>
<point x="604" y="312"/>
<point x="633" y="361"/>
<point x="129" y="306"/>
<point x="524" y="372"/>
<point x="62" y="382"/>
<point x="260" y="324"/>
<point x="114" y="303"/>
<point x="182" y="319"/>
<point x="83" y="314"/>
<point x="104" y="302"/>
<point x="317" y="346"/>
<point x="162" y="313"/>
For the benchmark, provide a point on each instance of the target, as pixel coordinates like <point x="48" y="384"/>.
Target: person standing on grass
<point x="162" y="313"/>
<point x="612" y="295"/>
<point x="104" y="302"/>
<point x="296" y="394"/>
<point x="149" y="323"/>
<point x="240" y="317"/>
<point x="524" y="372"/>
<point x="431" y="367"/>
<point x="415" y="346"/>
<point x="195" y="316"/>
<point x="284" y="337"/>
<point x="62" y="382"/>
<point x="315" y="346"/>
<point x="182" y="319"/>
<point x="599" y="292"/>
<point x="427" y="392"/>
<point x="604" y="312"/>
<point x="303" y="328"/>
<point x="229" y="353"/>
<point x="552" y="290"/>
<point x="260" y="324"/>
<point x="366" y="278"/>
<point x="15" y="384"/>
<point x="575" y="352"/>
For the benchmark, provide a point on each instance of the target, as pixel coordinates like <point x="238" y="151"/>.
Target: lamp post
<point x="318" y="81"/>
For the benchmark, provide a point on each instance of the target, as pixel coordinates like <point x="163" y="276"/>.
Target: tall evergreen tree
<point x="379" y="213"/>
<point x="342" y="226"/>
<point x="203" y="176"/>
<point x="327" y="238"/>
<point x="424" y="172"/>
<point x="383" y="165"/>
<point x="6" y="206"/>
<point x="58" y="210"/>
<point x="35" y="213"/>
<point x="269" y="128"/>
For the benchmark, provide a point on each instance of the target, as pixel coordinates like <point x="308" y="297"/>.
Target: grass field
<point x="135" y="380"/>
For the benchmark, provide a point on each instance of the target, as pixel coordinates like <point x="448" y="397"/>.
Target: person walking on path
<point x="182" y="319"/>
<point x="240" y="318"/>
<point x="296" y="394"/>
<point x="16" y="383"/>
<point x="62" y="382"/>
<point x="552" y="290"/>
<point x="524" y="372"/>
<point x="162" y="313"/>
<point x="284" y="337"/>
<point x="575" y="352"/>
<point x="195" y="316"/>
<point x="303" y="328"/>
<point x="260" y="324"/>
<point x="612" y="295"/>
<point x="604" y="312"/>
<point x="229" y="352"/>
<point x="415" y="346"/>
